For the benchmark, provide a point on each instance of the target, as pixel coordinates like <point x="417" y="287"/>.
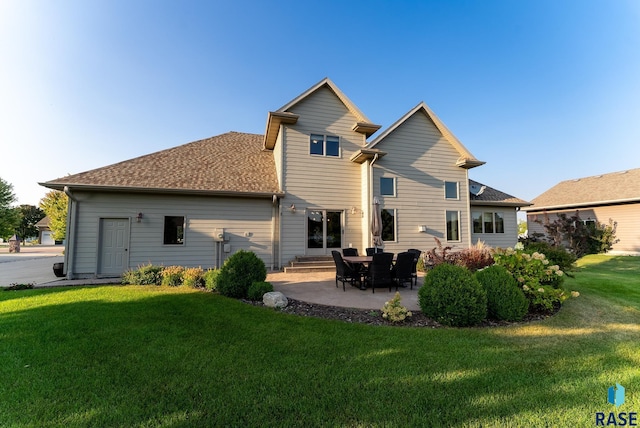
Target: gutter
<point x="72" y="219"/>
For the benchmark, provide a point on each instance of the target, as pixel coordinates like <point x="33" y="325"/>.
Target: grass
<point x="170" y="357"/>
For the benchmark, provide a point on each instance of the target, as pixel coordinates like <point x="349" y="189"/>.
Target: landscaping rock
<point x="275" y="299"/>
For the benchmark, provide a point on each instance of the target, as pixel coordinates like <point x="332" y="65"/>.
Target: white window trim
<point x="395" y="188"/>
<point x="493" y="220"/>
<point x="324" y="146"/>
<point x="459" y="226"/>
<point x="457" y="198"/>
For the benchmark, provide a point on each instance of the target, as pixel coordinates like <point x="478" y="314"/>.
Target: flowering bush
<point x="393" y="311"/>
<point x="544" y="298"/>
<point x="529" y="269"/>
<point x="193" y="277"/>
<point x="172" y="275"/>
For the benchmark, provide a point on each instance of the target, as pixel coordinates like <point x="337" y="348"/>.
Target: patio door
<point x="324" y="231"/>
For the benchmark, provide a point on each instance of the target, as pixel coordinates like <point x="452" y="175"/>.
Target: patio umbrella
<point x="376" y="224"/>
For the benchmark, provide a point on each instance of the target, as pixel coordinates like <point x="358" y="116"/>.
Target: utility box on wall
<point x="219" y="235"/>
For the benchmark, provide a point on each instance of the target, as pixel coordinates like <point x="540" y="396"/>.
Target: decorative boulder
<point x="275" y="299"/>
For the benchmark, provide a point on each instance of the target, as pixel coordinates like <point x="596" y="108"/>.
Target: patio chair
<point x="357" y="267"/>
<point x="344" y="272"/>
<point x="402" y="271"/>
<point x="414" y="268"/>
<point x="372" y="250"/>
<point x="379" y="272"/>
<point x="349" y="251"/>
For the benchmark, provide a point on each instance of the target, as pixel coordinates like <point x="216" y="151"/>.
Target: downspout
<point x="370" y="198"/>
<point x="72" y="218"/>
<point x="274" y="219"/>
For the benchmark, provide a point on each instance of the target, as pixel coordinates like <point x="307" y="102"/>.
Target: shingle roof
<point x="615" y="187"/>
<point x="491" y="196"/>
<point x="229" y="163"/>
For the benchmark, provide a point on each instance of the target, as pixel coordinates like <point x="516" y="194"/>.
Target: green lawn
<point x="171" y="357"/>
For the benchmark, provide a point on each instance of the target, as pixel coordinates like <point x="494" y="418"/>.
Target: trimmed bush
<point x="452" y="296"/>
<point x="172" y="275"/>
<point x="505" y="300"/>
<point x="211" y="278"/>
<point x="145" y="275"/>
<point x="556" y="255"/>
<point x="238" y="273"/>
<point x="192" y="277"/>
<point x="258" y="289"/>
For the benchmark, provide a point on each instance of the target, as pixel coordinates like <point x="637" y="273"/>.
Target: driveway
<point x="33" y="264"/>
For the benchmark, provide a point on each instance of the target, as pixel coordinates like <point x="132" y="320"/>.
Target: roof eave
<point x="366" y="128"/>
<point x="274" y="120"/>
<point x="583" y="204"/>
<point x="467" y="163"/>
<point x="499" y="203"/>
<point x="133" y="189"/>
<point x="363" y="155"/>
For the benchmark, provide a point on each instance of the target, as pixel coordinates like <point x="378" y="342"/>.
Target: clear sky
<point x="542" y="90"/>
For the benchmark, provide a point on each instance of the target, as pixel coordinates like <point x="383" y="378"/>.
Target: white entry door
<point x="114" y="246"/>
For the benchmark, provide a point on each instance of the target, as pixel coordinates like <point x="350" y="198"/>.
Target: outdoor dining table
<point x="365" y="260"/>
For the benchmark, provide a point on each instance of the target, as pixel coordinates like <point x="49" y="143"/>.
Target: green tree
<point x="29" y="216"/>
<point x="522" y="227"/>
<point x="9" y="218"/>
<point x="55" y="204"/>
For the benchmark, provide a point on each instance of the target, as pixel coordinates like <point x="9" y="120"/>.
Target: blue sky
<point x="543" y="91"/>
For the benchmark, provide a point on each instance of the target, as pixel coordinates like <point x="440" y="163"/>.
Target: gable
<point x="465" y="159"/>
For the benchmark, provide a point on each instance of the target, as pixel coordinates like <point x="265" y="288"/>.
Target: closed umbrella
<point x="376" y="224"/>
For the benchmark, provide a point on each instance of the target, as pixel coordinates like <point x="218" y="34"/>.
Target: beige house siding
<point x="626" y="215"/>
<point x="319" y="182"/>
<point x="248" y="223"/>
<point x="414" y="147"/>
<point x="497" y="240"/>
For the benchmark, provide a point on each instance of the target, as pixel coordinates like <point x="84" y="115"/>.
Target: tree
<point x="9" y="219"/>
<point x="54" y="204"/>
<point x="522" y="227"/>
<point x="29" y="216"/>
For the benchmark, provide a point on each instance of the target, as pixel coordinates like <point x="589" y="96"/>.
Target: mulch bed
<point x="374" y="317"/>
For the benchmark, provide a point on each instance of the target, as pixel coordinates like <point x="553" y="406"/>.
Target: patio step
<point x="310" y="264"/>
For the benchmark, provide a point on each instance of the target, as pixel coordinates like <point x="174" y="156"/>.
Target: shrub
<point x="544" y="299"/>
<point x="532" y="270"/>
<point x="556" y="255"/>
<point x="505" y="300"/>
<point x="393" y="311"/>
<point x="193" y="277"/>
<point x="452" y="296"/>
<point x="475" y="257"/>
<point x="258" y="289"/>
<point x="172" y="275"/>
<point x="144" y="275"/>
<point x="210" y="279"/>
<point x="238" y="273"/>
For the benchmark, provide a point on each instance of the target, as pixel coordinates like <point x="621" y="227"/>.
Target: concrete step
<point x="312" y="264"/>
<point x="309" y="269"/>
<point x="314" y="259"/>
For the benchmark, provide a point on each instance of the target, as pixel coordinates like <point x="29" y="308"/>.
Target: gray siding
<point x="498" y="240"/>
<point x="331" y="183"/>
<point x="627" y="216"/>
<point x="247" y="221"/>
<point x="421" y="160"/>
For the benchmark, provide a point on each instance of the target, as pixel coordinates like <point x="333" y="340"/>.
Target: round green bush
<point x="452" y="296"/>
<point x="505" y="300"/>
<point x="258" y="289"/>
<point x="238" y="273"/>
<point x="211" y="278"/>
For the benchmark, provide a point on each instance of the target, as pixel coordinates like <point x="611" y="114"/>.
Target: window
<point x="487" y="222"/>
<point x="388" y="225"/>
<point x="387" y="186"/>
<point x="453" y="226"/>
<point x="324" y="145"/>
<point x="173" y="230"/>
<point x="451" y="190"/>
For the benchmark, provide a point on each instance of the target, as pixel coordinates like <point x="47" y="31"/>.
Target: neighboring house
<point x="45" y="235"/>
<point x="599" y="198"/>
<point x="305" y="187"/>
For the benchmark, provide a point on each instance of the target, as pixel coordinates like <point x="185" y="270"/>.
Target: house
<point x="305" y="187"/>
<point x="45" y="235"/>
<point x="614" y="196"/>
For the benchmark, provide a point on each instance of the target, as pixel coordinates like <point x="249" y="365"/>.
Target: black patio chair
<point x="357" y="267"/>
<point x="349" y="251"/>
<point x="402" y="271"/>
<point x="344" y="272"/>
<point x="372" y="250"/>
<point x="379" y="272"/>
<point x="414" y="268"/>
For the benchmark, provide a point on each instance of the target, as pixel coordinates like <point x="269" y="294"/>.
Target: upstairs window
<point x="451" y="190"/>
<point x="173" y="230"/>
<point x="387" y="186"/>
<point x="324" y="145"/>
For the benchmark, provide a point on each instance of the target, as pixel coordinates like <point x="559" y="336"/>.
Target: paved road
<point x="33" y="264"/>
